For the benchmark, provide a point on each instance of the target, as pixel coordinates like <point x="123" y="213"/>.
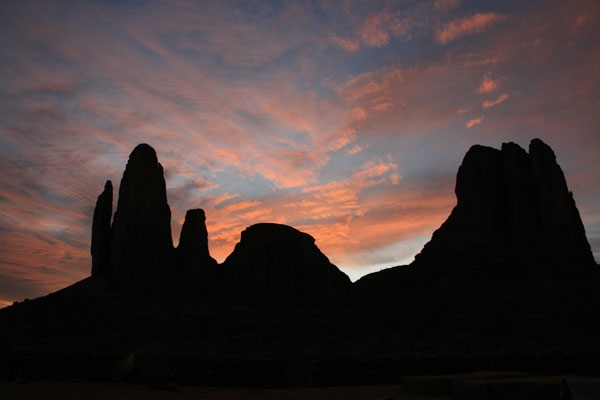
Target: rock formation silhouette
<point x="510" y="204"/>
<point x="192" y="252"/>
<point x="507" y="282"/>
<point x="272" y="263"/>
<point x="515" y="237"/>
<point x="277" y="263"/>
<point x="141" y="248"/>
<point x="197" y="273"/>
<point x="101" y="231"/>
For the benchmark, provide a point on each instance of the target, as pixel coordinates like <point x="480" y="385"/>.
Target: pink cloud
<point x="476" y="121"/>
<point x="371" y="172"/>
<point x="374" y="85"/>
<point x="492" y="103"/>
<point x="467" y="25"/>
<point x="373" y="32"/>
<point x="349" y="45"/>
<point x="488" y="84"/>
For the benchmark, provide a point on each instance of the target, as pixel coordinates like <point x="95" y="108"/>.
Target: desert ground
<point x="479" y="385"/>
<point x="94" y="391"/>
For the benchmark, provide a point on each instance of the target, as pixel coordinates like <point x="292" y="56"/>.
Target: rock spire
<point x="192" y="252"/>
<point x="101" y="231"/>
<point x="141" y="247"/>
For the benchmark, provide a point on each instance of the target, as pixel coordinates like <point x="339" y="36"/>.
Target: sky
<point x="345" y="119"/>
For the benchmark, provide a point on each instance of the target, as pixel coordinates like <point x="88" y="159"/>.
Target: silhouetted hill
<point x="276" y="263"/>
<point x="507" y="282"/>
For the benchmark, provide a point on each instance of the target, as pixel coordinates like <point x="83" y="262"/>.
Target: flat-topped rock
<point x="279" y="264"/>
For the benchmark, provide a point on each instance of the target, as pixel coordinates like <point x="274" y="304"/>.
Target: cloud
<point x="374" y="31"/>
<point x="349" y="45"/>
<point x="488" y="84"/>
<point x="476" y="121"/>
<point x="372" y="172"/>
<point x="490" y="104"/>
<point x="379" y="28"/>
<point x="467" y="25"/>
<point x="373" y="87"/>
<point x="445" y="5"/>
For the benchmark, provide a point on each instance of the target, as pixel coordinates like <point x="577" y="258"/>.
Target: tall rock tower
<point x="101" y="232"/>
<point x="141" y="247"/>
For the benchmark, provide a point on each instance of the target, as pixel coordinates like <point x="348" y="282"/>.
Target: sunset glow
<point x="347" y="120"/>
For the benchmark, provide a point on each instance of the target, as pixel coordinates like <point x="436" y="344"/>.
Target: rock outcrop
<point x="276" y="263"/>
<point x="101" y="231"/>
<point x="192" y="251"/>
<point x="141" y="247"/>
<point x="510" y="205"/>
<point x="196" y="269"/>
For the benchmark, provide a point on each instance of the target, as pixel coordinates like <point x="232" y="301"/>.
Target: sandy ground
<point x="92" y="391"/>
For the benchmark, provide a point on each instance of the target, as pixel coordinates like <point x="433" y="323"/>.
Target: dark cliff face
<point x="510" y="204"/>
<point x="275" y="263"/>
<point x="141" y="248"/>
<point x="101" y="231"/>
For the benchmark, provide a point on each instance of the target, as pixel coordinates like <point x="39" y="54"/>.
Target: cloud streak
<point x="491" y="103"/>
<point x="467" y="25"/>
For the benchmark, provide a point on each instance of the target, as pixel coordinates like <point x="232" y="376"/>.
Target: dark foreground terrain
<point x="105" y="336"/>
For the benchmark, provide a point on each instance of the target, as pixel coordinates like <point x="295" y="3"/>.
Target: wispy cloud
<point x="492" y="103"/>
<point x="374" y="31"/>
<point x="350" y="45"/>
<point x="475" y="121"/>
<point x="467" y="25"/>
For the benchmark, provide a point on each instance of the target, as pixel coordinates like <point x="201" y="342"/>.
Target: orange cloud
<point x="373" y="32"/>
<point x="492" y="103"/>
<point x="372" y="92"/>
<point x="488" y="84"/>
<point x="366" y="174"/>
<point x="467" y="25"/>
<point x="476" y="121"/>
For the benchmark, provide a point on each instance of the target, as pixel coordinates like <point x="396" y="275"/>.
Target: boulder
<point x="276" y="263"/>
